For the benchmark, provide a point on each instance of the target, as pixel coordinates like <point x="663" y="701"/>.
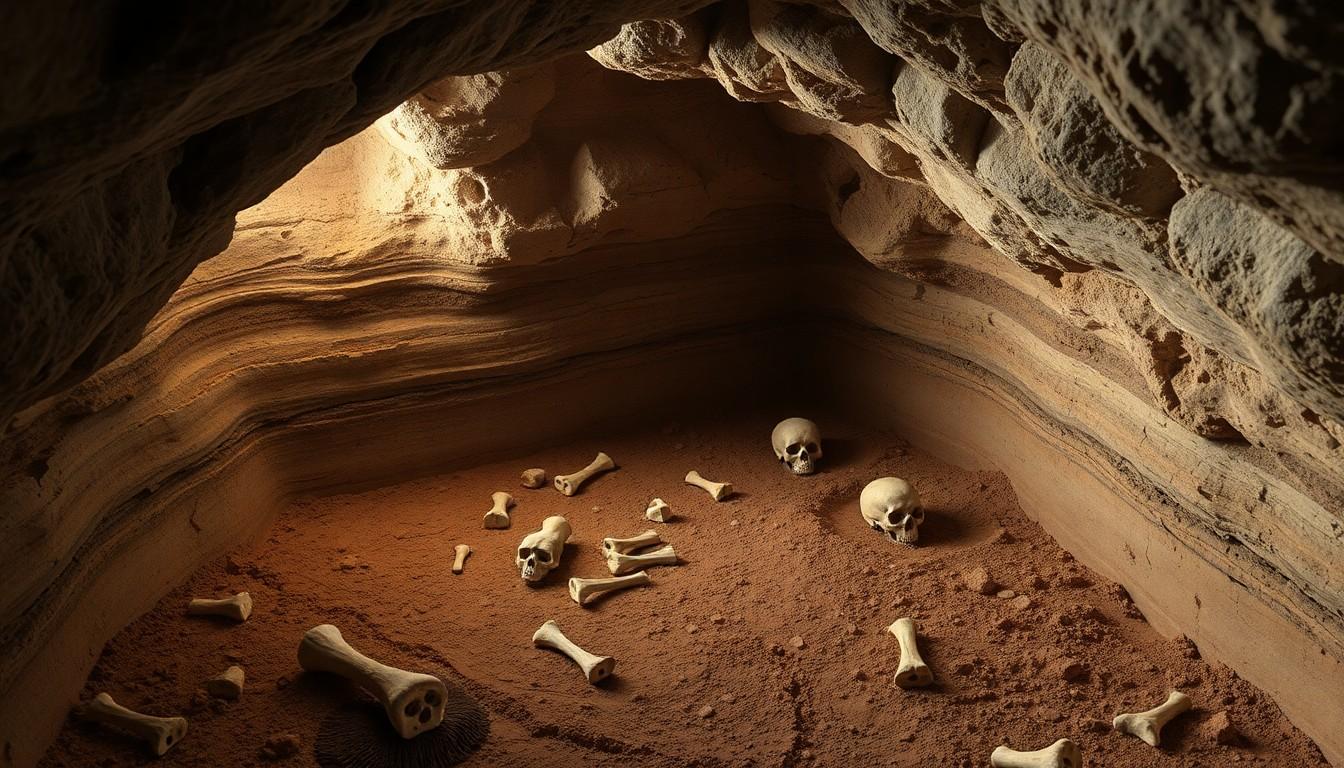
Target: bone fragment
<point x="719" y="491"/>
<point x="227" y="684"/>
<point x="1148" y="725"/>
<point x="570" y="484"/>
<point x="658" y="511"/>
<point x="626" y="546"/>
<point x="159" y="733"/>
<point x="618" y="563"/>
<point x="534" y="478"/>
<point x="460" y="553"/>
<point x="413" y="701"/>
<point x="912" y="672"/>
<point x="1061" y="754"/>
<point x="238" y="607"/>
<point x="580" y="590"/>
<point x="498" y="516"/>
<point x="595" y="668"/>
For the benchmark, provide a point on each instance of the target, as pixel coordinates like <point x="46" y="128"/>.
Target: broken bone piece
<point x="580" y="590"/>
<point x="797" y="444"/>
<point x="498" y="516"/>
<point x="1062" y="754"/>
<point x="1148" y="725"/>
<point x="570" y="484"/>
<point x="227" y="684"/>
<point x="413" y="701"/>
<point x="719" y="491"/>
<point x="890" y="505"/>
<point x="534" y="478"/>
<point x="159" y="733"/>
<point x="595" y="668"/>
<point x="626" y="546"/>
<point x="658" y="511"/>
<point x="238" y="607"/>
<point x="460" y="553"/>
<point x="619" y="564"/>
<point x="912" y="672"/>
<point x="540" y="551"/>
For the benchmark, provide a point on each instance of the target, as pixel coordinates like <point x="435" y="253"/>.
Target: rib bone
<point x="582" y="589"/>
<point x="570" y="484"/>
<point x="460" y="553"/>
<point x="498" y="516"/>
<point x="626" y="546"/>
<point x="719" y="491"/>
<point x="912" y="671"/>
<point x="658" y="511"/>
<point x="1148" y="725"/>
<point x="618" y="563"/>
<point x="238" y="607"/>
<point x="159" y="733"/>
<point x="1061" y="754"/>
<point x="413" y="701"/>
<point x="595" y="668"/>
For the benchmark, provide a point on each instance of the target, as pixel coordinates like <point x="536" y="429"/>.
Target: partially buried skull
<point x="891" y="505"/>
<point x="540" y="551"/>
<point x="797" y="444"/>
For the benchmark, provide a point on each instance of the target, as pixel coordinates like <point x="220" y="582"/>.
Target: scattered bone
<point x="658" y="511"/>
<point x="580" y="590"/>
<point x="238" y="607"/>
<point x="890" y="505"/>
<point x="159" y="733"/>
<point x="626" y="546"/>
<point x="460" y="553"/>
<point x="912" y="672"/>
<point x="413" y="701"/>
<point x="1148" y="725"/>
<point x="797" y="444"/>
<point x="719" y="491"/>
<point x="540" y="551"/>
<point x="570" y="484"/>
<point x="1062" y="754"/>
<point x="227" y="684"/>
<point x="534" y="478"/>
<point x="618" y="563"/>
<point x="498" y="516"/>
<point x="595" y="668"/>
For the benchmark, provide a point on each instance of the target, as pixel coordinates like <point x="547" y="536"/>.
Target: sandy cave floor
<point x="766" y="646"/>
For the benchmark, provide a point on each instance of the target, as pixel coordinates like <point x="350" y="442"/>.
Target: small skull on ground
<point x="891" y="505"/>
<point x="797" y="444"/>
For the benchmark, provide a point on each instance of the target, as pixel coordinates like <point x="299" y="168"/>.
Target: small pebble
<point x="706" y="712"/>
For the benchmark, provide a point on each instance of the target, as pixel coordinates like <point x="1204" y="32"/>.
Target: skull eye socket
<point x="523" y="552"/>
<point x="811" y="447"/>
<point x="918" y="514"/>
<point x="894" y="517"/>
<point x="542" y="555"/>
<point x="793" y="448"/>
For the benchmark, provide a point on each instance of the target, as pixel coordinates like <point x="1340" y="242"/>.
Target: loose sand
<point x="766" y="646"/>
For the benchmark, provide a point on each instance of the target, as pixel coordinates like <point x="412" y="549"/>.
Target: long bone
<point x="912" y="672"/>
<point x="719" y="491"/>
<point x="570" y="484"/>
<point x="1148" y="725"/>
<point x="159" y="733"/>
<point x="1062" y="754"/>
<point x="580" y="590"/>
<point x="595" y="668"/>
<point x="238" y="607"/>
<point x="618" y="563"/>
<point x="460" y="553"/>
<point x="498" y="516"/>
<point x="626" y="546"/>
<point x="413" y="701"/>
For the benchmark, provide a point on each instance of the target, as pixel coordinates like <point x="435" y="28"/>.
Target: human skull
<point x="797" y="444"/>
<point x="540" y="551"/>
<point x="891" y="505"/>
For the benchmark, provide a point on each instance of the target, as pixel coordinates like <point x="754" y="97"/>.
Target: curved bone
<point x="912" y="671"/>
<point x="159" y="733"/>
<point x="719" y="491"/>
<point x="1061" y="754"/>
<point x="413" y="701"/>
<point x="580" y="590"/>
<point x="498" y="516"/>
<point x="1148" y="725"/>
<point x="626" y="546"/>
<point x="658" y="511"/>
<point x="238" y="607"/>
<point x="460" y="553"/>
<point x="595" y="668"/>
<point x="533" y="478"/>
<point x="570" y="484"/>
<point x="618" y="563"/>
<point x="227" y="684"/>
